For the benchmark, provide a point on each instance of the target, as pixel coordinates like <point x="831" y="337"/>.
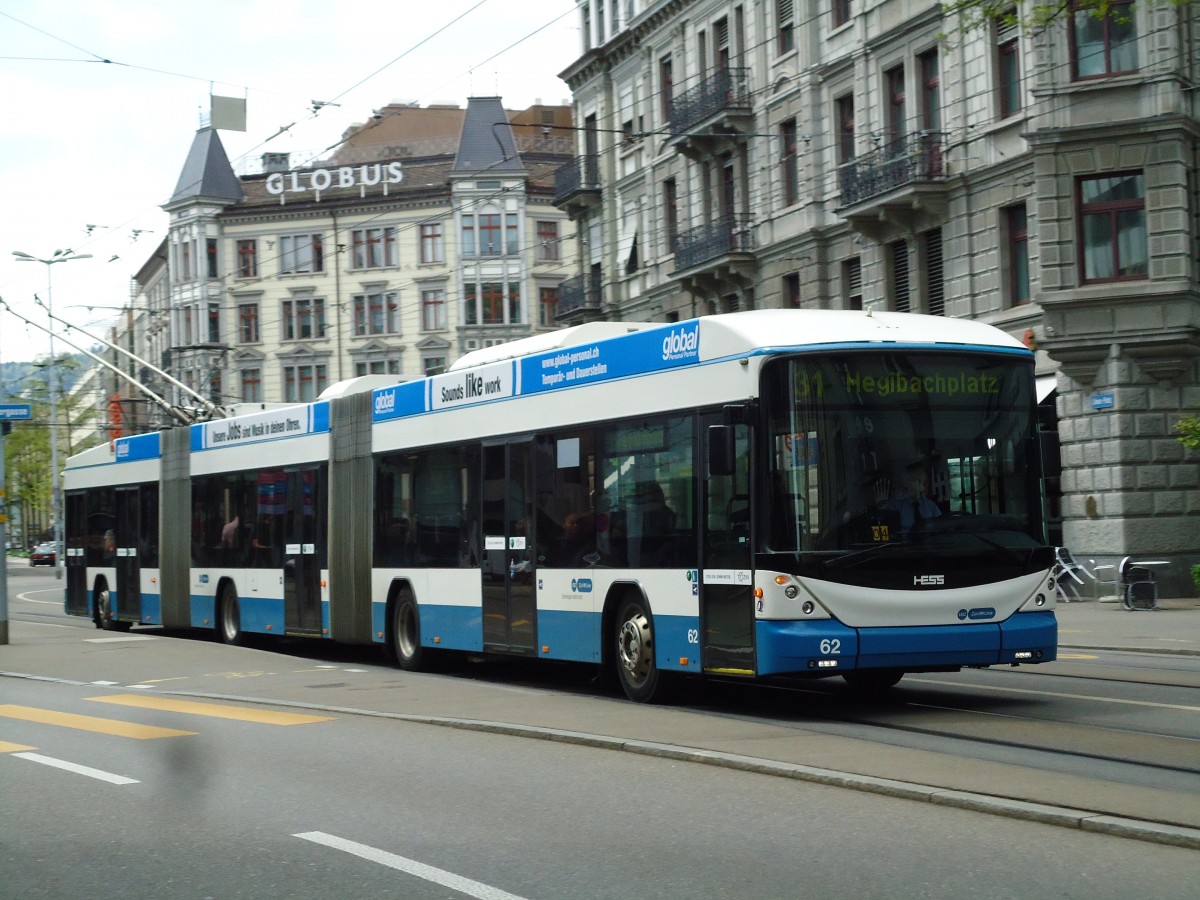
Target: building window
<point x="377" y="367"/>
<point x="841" y="12"/>
<point x="547" y="235"/>
<point x="248" y="323"/>
<point x="489" y="235"/>
<point x="433" y="365"/>
<point x="301" y="253"/>
<point x="786" y="24"/>
<point x="214" y="323"/>
<point x="512" y="243"/>
<point x="210" y="253"/>
<point x="373" y="248"/>
<point x="468" y="235"/>
<point x="1104" y="45"/>
<point x="852" y="283"/>
<point x="252" y="386"/>
<point x="897" y="114"/>
<point x="1112" y="214"/>
<point x="547" y="305"/>
<point x="433" y="309"/>
<point x="791" y="290"/>
<point x="1008" y="70"/>
<point x="376" y="313"/>
<point x="898" y="256"/>
<point x="303" y="318"/>
<point x="484" y="303"/>
<point x="931" y="92"/>
<point x="665" y="87"/>
<point x="789" y="177"/>
<point x="432" y="244"/>
<point x="303" y="383"/>
<point x="247" y="254"/>
<point x="935" y="283"/>
<point x="1018" y="254"/>
<point x="844" y="111"/>
<point x="214" y="386"/>
<point x="671" y="213"/>
<point x="185" y="260"/>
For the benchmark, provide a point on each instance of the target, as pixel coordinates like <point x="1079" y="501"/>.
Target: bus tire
<point x="406" y="635"/>
<point x="229" y="619"/>
<point x="870" y="681"/>
<point x="633" y="652"/>
<point x="106" y="620"/>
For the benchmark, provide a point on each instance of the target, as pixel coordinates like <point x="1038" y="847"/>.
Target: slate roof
<point x="486" y="145"/>
<point x="206" y="174"/>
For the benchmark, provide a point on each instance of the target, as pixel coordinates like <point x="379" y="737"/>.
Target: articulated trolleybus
<point x="776" y="492"/>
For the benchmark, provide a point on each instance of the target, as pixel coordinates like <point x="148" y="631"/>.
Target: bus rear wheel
<point x="633" y="635"/>
<point x="406" y="635"/>
<point x="229" y="620"/>
<point x="106" y="619"/>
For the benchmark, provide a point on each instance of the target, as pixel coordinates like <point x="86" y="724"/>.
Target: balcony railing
<point x="579" y="294"/>
<point x="579" y="175"/>
<point x="725" y="90"/>
<point x="914" y="159"/>
<point x="714" y="240"/>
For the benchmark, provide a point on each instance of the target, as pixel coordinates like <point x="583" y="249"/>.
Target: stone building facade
<point x="881" y="154"/>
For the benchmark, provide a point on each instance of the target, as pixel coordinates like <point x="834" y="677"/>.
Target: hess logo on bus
<point x="929" y="580"/>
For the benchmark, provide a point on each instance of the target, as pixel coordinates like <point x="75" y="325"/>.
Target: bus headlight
<point x="807" y="608"/>
<point x="791" y="591"/>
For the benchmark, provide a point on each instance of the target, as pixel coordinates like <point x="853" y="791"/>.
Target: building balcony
<point x="577" y="185"/>
<point x="580" y="299"/>
<point x="901" y="185"/>
<point x="712" y="117"/>
<point x="716" y="258"/>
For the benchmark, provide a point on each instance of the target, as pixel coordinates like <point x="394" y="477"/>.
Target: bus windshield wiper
<point x="859" y="556"/>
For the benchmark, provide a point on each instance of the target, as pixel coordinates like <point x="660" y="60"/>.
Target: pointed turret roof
<point x="207" y="174"/>
<point x="486" y="145"/>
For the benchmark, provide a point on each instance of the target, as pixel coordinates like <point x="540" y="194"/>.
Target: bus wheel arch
<point x="104" y="616"/>
<point x="872" y="681"/>
<point x="229" y="614"/>
<point x="630" y="645"/>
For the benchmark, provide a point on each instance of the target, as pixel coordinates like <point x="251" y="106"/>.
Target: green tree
<point x="1189" y="432"/>
<point x="1037" y="14"/>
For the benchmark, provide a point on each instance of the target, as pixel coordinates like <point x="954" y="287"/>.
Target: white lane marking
<point x="410" y="866"/>
<point x="120" y="640"/>
<point x="1010" y="690"/>
<point x="24" y="595"/>
<point x="77" y="769"/>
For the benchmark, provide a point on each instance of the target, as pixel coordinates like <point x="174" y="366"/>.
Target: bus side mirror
<point x="722" y="450"/>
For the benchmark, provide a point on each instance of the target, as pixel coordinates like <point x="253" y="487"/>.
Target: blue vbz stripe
<point x="138" y="447"/>
<point x="653" y="350"/>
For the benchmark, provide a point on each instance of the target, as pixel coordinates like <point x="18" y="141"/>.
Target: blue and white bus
<point x="776" y="492"/>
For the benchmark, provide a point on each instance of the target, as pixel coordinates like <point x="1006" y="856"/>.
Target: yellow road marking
<point x="216" y="710"/>
<point x="89" y="723"/>
<point x="1077" y="656"/>
<point x="6" y="747"/>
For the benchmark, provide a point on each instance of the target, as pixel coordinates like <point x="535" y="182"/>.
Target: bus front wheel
<point x="640" y="677"/>
<point x="229" y="620"/>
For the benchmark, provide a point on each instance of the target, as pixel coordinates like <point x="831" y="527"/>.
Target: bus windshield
<point x="874" y="452"/>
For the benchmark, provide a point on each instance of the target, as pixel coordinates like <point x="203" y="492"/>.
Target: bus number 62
<point x="831" y="646"/>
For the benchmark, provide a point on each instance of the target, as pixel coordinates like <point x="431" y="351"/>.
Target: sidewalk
<point x="1106" y="625"/>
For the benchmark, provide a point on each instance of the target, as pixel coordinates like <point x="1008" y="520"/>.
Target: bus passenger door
<point x="75" y="559"/>
<point x="128" y="563"/>
<point x="509" y="531"/>
<point x="726" y="576"/>
<point x="301" y="560"/>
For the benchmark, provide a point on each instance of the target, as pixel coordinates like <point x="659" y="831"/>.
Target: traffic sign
<point x="10" y="411"/>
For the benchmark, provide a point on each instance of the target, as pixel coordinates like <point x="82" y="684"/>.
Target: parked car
<point x="42" y="555"/>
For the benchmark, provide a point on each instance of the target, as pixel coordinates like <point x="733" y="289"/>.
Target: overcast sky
<point x="100" y="145"/>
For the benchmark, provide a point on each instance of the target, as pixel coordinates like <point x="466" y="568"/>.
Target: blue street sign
<point x="10" y="411"/>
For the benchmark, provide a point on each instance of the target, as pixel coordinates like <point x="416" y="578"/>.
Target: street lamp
<point x="59" y="256"/>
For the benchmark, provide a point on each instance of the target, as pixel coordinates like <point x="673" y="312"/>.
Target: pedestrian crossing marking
<point x="215" y="710"/>
<point x="6" y="747"/>
<point x="89" y="723"/>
